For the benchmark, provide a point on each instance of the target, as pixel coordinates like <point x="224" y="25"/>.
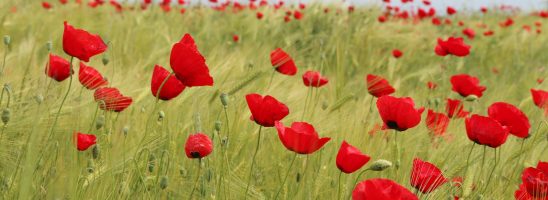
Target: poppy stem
<point x="468" y="158"/>
<point x="339" y="188"/>
<point x="197" y="178"/>
<point x="227" y="126"/>
<point x="94" y="117"/>
<point x="253" y="163"/>
<point x="491" y="173"/>
<point x="271" y="78"/>
<point x="4" y="60"/>
<point x="286" y="175"/>
<point x="62" y="102"/>
<point x="359" y="176"/>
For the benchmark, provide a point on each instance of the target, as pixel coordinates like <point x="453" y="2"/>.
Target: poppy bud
<point x="183" y="172"/>
<point x="437" y="101"/>
<point x="49" y="45"/>
<point x="298" y="178"/>
<point x="151" y="162"/>
<point x="224" y="99"/>
<point x="100" y="122"/>
<point x="91" y="166"/>
<point x="125" y="130"/>
<point x="380" y="165"/>
<point x="218" y="125"/>
<point x="224" y="141"/>
<point x="39" y="98"/>
<point x="161" y="115"/>
<point x="163" y="182"/>
<point x="95" y="152"/>
<point x="6" y="114"/>
<point x="7" y="40"/>
<point x="105" y="59"/>
<point x="325" y="105"/>
<point x="471" y="98"/>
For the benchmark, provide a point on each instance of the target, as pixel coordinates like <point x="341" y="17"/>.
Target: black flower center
<point x="195" y="154"/>
<point x="394" y="125"/>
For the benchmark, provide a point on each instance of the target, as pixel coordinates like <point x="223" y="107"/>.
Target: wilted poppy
<point x="282" y="62"/>
<point x="381" y="189"/>
<point x="58" y="68"/>
<point x="90" y="78"/>
<point x="198" y="146"/>
<point x="266" y="110"/>
<point x="486" y="131"/>
<point x="300" y="138"/>
<point x="455" y="109"/>
<point x="398" y="113"/>
<point x="535" y="180"/>
<point x="350" y="159"/>
<point x="188" y="64"/>
<point x="511" y="117"/>
<point x="111" y="99"/>
<point x="397" y="53"/>
<point x="84" y="141"/>
<point x="425" y="176"/>
<point x="437" y="122"/>
<point x="81" y="44"/>
<point x="170" y="89"/>
<point x="378" y="86"/>
<point x="453" y="46"/>
<point x="467" y="85"/>
<point x="314" y="79"/>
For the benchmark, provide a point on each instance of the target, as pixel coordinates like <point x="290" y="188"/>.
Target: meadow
<point x="140" y="151"/>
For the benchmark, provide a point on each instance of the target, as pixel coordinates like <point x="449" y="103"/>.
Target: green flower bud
<point x="49" y="45"/>
<point x="163" y="182"/>
<point x="95" y="151"/>
<point x="224" y="99"/>
<point x="218" y="125"/>
<point x="100" y="122"/>
<point x="325" y="105"/>
<point x="6" y="115"/>
<point x="7" y="40"/>
<point x="91" y="166"/>
<point x="380" y="165"/>
<point x="151" y="162"/>
<point x="105" y="59"/>
<point x="471" y="98"/>
<point x="125" y="130"/>
<point x="161" y="115"/>
<point x="39" y="98"/>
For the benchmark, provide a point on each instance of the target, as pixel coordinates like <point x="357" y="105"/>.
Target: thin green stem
<point x="62" y="102"/>
<point x="339" y="187"/>
<point x="197" y="179"/>
<point x="286" y="175"/>
<point x="253" y="163"/>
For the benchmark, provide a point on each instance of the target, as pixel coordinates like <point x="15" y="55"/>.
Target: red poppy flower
<point x="425" y="176"/>
<point x="314" y="79"/>
<point x="283" y="62"/>
<point x="171" y="88"/>
<point x="470" y="33"/>
<point x="300" y="138"/>
<point x="111" y="99"/>
<point x="486" y="131"/>
<point x="350" y="158"/>
<point x="436" y="21"/>
<point x="266" y="110"/>
<point x="46" y="5"/>
<point x="84" y="141"/>
<point x="58" y="68"/>
<point x="298" y="15"/>
<point x="188" y="64"/>
<point x="488" y="33"/>
<point x="90" y="77"/>
<point x="455" y="109"/>
<point x="510" y="116"/>
<point x="467" y="85"/>
<point x="235" y="38"/>
<point x="259" y="15"/>
<point x="522" y="194"/>
<point x="508" y="22"/>
<point x="378" y="86"/>
<point x="81" y="44"/>
<point x="398" y="113"/>
<point x="451" y="10"/>
<point x="437" y="122"/>
<point x="431" y="85"/>
<point x="453" y="46"/>
<point x="382" y="19"/>
<point x="198" y="146"/>
<point x="381" y="189"/>
<point x="397" y="53"/>
<point x="540" y="98"/>
<point x="63" y="1"/>
<point x="535" y="180"/>
<point x="483" y="9"/>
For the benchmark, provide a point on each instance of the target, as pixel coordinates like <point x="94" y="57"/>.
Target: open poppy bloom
<point x="111" y="99"/>
<point x="540" y="98"/>
<point x="90" y="78"/>
<point x="451" y="10"/>
<point x="314" y="79"/>
<point x="425" y="176"/>
<point x="170" y="89"/>
<point x="198" y="146"/>
<point x="81" y="44"/>
<point x="455" y="109"/>
<point x="300" y="138"/>
<point x="188" y="64"/>
<point x="46" y="5"/>
<point x="350" y="158"/>
<point x="510" y="116"/>
<point x="431" y="85"/>
<point x="535" y="182"/>
<point x="398" y="113"/>
<point x="266" y="110"/>
<point x="381" y="189"/>
<point x="84" y="141"/>
<point x="282" y="62"/>
<point x="437" y="122"/>
<point x="470" y="33"/>
<point x="397" y="53"/>
<point x="467" y="85"/>
<point x="378" y="86"/>
<point x="453" y="46"/>
<point x="58" y="68"/>
<point x="486" y="131"/>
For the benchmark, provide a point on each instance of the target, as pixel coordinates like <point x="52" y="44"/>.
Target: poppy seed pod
<point x="380" y="165"/>
<point x="224" y="99"/>
<point x="100" y="122"/>
<point x="164" y="182"/>
<point x="91" y="166"/>
<point x="105" y="59"/>
<point x="6" y="115"/>
<point x="7" y="40"/>
<point x="471" y="98"/>
<point x="161" y="115"/>
<point x="95" y="151"/>
<point x="49" y="45"/>
<point x="218" y="125"/>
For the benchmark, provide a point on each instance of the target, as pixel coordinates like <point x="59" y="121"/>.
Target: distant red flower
<point x="188" y="64"/>
<point x="455" y="109"/>
<point x="488" y="33"/>
<point x="382" y="19"/>
<point x="508" y="22"/>
<point x="350" y="159"/>
<point x="437" y="122"/>
<point x="540" y="98"/>
<point x="63" y="1"/>
<point x="283" y="62"/>
<point x="298" y="15"/>
<point x="483" y="9"/>
<point x="535" y="181"/>
<point x="511" y="117"/>
<point x="453" y="46"/>
<point x="235" y="38"/>
<point x="436" y="21"/>
<point x="425" y="176"/>
<point x="426" y="2"/>
<point x="46" y="5"/>
<point x="470" y="33"/>
<point x="58" y="68"/>
<point x="486" y="131"/>
<point x="198" y="145"/>
<point x="381" y="189"/>
<point x="378" y="86"/>
<point x="111" y="99"/>
<point x="397" y="53"/>
<point x="398" y="113"/>
<point x="90" y="78"/>
<point x="314" y="79"/>
<point x="540" y="80"/>
<point x="266" y="110"/>
<point x="431" y="85"/>
<point x="300" y="138"/>
<point x="287" y="18"/>
<point x="84" y="141"/>
<point x="467" y="85"/>
<point x="259" y="15"/>
<point x="451" y="10"/>
<point x="81" y="44"/>
<point x="170" y="89"/>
